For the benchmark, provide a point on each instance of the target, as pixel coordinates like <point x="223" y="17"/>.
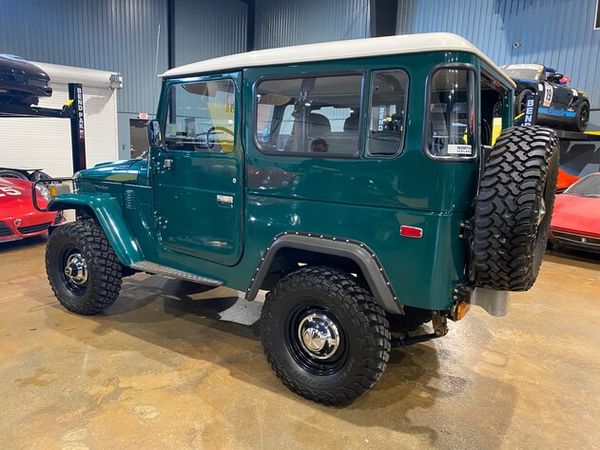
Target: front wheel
<point x="82" y="268"/>
<point x="324" y="335"/>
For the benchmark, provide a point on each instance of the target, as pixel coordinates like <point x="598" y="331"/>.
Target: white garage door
<point x="45" y="143"/>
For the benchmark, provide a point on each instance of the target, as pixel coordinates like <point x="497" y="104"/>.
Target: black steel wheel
<point x="316" y="340"/>
<point x="324" y="335"/>
<point x="82" y="268"/>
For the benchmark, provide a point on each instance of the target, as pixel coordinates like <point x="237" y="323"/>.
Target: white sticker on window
<point x="459" y="149"/>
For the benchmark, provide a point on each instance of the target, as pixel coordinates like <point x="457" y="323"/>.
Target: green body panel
<point x="108" y="212"/>
<point x="171" y="217"/>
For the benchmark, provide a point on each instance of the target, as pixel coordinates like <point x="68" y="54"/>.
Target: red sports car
<point x="18" y="218"/>
<point x="576" y="217"/>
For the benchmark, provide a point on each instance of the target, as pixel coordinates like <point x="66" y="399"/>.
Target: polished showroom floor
<point x="171" y="366"/>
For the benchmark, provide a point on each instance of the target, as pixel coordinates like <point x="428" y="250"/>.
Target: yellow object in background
<point x="496" y="129"/>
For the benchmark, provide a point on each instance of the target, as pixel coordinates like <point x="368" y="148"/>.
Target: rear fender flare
<point x="356" y="251"/>
<point x="109" y="215"/>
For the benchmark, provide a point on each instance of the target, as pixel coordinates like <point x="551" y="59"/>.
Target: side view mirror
<point x="154" y="135"/>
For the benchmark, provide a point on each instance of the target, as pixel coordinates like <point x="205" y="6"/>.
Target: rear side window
<point x="388" y="111"/>
<point x="451" y="114"/>
<point x="314" y="116"/>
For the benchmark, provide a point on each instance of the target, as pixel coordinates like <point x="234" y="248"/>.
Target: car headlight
<point x="44" y="192"/>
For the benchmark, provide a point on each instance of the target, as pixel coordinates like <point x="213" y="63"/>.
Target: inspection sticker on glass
<point x="459" y="149"/>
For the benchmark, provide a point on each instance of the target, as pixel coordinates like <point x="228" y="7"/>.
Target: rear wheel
<point x="82" y="267"/>
<point x="324" y="336"/>
<point x="582" y="117"/>
<point x="521" y="101"/>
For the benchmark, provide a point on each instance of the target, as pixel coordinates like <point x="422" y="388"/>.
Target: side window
<point x="387" y="115"/>
<point x="451" y="113"/>
<point x="200" y="117"/>
<point x="309" y="115"/>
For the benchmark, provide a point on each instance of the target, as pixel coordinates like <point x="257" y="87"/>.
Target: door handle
<point x="167" y="164"/>
<point x="224" y="199"/>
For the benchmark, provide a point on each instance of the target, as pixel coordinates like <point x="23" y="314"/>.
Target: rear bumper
<point x="575" y="239"/>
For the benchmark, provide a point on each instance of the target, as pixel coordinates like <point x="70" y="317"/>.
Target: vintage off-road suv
<point x="354" y="181"/>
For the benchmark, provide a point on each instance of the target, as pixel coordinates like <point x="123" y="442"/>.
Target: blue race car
<point x="552" y="101"/>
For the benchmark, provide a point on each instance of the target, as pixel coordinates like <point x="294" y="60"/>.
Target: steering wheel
<point x="215" y="130"/>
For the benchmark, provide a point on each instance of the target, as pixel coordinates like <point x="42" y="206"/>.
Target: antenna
<point x="157" y="50"/>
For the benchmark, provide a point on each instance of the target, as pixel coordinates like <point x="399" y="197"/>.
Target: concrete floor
<point x="168" y="367"/>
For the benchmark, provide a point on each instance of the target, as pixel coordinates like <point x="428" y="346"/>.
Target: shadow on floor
<point x="574" y="257"/>
<point x="214" y="325"/>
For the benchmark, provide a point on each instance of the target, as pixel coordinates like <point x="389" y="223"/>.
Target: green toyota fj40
<point x="362" y="183"/>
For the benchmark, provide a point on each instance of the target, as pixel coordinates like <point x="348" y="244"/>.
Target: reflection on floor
<point x="176" y="365"/>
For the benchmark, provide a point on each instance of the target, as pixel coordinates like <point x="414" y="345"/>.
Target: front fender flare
<point x="356" y="251"/>
<point x="109" y="215"/>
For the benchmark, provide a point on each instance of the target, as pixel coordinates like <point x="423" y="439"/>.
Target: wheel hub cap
<point x="76" y="269"/>
<point x="319" y="335"/>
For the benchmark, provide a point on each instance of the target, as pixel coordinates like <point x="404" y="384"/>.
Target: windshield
<point x="529" y="72"/>
<point x="586" y="187"/>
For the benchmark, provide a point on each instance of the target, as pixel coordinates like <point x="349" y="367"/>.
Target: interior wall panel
<point x="207" y="29"/>
<point x="557" y="33"/>
<point x="282" y="23"/>
<point x="115" y="35"/>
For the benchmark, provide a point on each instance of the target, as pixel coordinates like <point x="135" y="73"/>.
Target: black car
<point x="554" y="102"/>
<point x="21" y="82"/>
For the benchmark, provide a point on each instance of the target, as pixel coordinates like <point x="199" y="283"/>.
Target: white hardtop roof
<point x="326" y="51"/>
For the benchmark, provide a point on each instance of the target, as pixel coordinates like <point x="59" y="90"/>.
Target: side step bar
<point x="158" y="269"/>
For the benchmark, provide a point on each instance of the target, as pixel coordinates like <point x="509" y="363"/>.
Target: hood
<point x="116" y="172"/>
<point x="577" y="214"/>
<point x="15" y="196"/>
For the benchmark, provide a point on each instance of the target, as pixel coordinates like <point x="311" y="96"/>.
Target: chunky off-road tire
<point x="92" y="281"/>
<point x="514" y="208"/>
<point x="329" y="300"/>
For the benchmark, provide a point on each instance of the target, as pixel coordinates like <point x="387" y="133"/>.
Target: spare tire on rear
<point x="514" y="208"/>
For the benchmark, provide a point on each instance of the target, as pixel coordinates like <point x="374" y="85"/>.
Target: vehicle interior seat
<point x="318" y="126"/>
<point x="351" y="123"/>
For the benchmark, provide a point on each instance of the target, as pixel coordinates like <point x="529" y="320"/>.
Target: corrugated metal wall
<point x="116" y="35"/>
<point x="121" y="36"/>
<point x="204" y="30"/>
<point x="280" y="23"/>
<point x="558" y="33"/>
